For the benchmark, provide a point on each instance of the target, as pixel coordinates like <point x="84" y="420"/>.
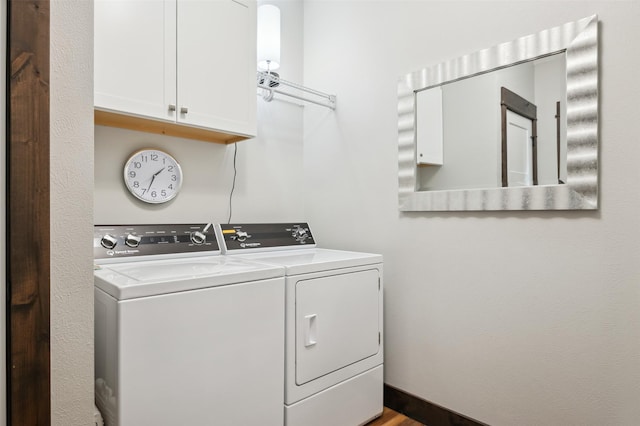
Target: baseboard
<point x="424" y="411"/>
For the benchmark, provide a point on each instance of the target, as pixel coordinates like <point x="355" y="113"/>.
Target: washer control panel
<point x="127" y="241"/>
<point x="238" y="237"/>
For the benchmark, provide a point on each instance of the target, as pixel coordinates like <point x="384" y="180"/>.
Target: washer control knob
<point x="108" y="241"/>
<point x="198" y="237"/>
<point x="241" y="236"/>
<point x="132" y="240"/>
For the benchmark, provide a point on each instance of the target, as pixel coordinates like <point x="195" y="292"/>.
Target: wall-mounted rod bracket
<point x="271" y="84"/>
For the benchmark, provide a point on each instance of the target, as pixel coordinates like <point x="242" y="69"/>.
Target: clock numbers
<point x="153" y="176"/>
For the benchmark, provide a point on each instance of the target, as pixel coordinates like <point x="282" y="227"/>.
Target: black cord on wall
<point x="233" y="186"/>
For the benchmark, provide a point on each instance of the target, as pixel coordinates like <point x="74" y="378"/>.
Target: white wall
<point x="71" y="212"/>
<point x="512" y="318"/>
<point x="269" y="167"/>
<point x="473" y="148"/>
<point x="551" y="71"/>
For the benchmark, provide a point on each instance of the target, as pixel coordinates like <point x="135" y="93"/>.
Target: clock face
<point x="153" y="176"/>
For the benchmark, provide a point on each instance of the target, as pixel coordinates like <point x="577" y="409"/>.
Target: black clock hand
<point x="154" y="178"/>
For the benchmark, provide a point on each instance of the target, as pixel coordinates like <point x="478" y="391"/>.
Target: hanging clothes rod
<point x="271" y="84"/>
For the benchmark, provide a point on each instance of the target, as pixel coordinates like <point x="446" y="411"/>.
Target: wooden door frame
<point x="27" y="239"/>
<point x="511" y="101"/>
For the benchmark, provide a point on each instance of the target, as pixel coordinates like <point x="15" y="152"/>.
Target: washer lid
<point x="306" y="261"/>
<point x="155" y="277"/>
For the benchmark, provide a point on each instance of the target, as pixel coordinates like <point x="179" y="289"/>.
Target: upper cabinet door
<point x="135" y="57"/>
<point x="216" y="64"/>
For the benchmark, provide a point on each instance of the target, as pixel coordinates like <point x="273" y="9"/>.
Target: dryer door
<point x="337" y="322"/>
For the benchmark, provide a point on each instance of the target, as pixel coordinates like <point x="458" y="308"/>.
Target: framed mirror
<point x="512" y="127"/>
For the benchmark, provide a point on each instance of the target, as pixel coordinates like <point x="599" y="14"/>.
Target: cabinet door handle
<point x="184" y="110"/>
<point x="172" y="107"/>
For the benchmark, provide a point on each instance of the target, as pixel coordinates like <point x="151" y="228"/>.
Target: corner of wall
<point x="71" y="214"/>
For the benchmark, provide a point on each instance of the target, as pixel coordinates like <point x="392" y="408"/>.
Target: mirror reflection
<point x="505" y="128"/>
<point x="464" y="169"/>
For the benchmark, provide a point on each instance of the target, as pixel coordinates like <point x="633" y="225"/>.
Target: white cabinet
<point x="216" y="76"/>
<point x="135" y="57"/>
<point x="184" y="67"/>
<point x="429" y="127"/>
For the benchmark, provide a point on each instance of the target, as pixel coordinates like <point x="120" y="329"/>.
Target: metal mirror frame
<point x="579" y="40"/>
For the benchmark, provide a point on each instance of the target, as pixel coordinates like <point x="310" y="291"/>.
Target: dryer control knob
<point x="300" y="234"/>
<point x="241" y="235"/>
<point x="132" y="240"/>
<point x="108" y="241"/>
<point x="198" y="237"/>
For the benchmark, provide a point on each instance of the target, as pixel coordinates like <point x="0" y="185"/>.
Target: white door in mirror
<point x="153" y="176"/>
<point x="519" y="150"/>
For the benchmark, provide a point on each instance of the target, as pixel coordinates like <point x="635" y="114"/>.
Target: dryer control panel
<point x="129" y="241"/>
<point x="243" y="237"/>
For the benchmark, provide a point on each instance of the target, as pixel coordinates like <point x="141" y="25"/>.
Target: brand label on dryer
<point x="249" y="245"/>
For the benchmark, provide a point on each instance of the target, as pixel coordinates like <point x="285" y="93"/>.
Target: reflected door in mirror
<point x="519" y="159"/>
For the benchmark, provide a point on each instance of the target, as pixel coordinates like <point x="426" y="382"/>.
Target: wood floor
<point x="393" y="418"/>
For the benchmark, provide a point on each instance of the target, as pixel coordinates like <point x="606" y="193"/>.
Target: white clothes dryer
<point x="184" y="336"/>
<point x="333" y="339"/>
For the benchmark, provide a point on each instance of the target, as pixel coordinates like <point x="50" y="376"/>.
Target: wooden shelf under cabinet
<point x="112" y="119"/>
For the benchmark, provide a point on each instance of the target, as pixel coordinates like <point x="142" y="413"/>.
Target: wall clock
<point x="152" y="176"/>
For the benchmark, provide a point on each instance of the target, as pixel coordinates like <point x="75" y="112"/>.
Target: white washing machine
<point x="333" y="340"/>
<point x="183" y="335"/>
